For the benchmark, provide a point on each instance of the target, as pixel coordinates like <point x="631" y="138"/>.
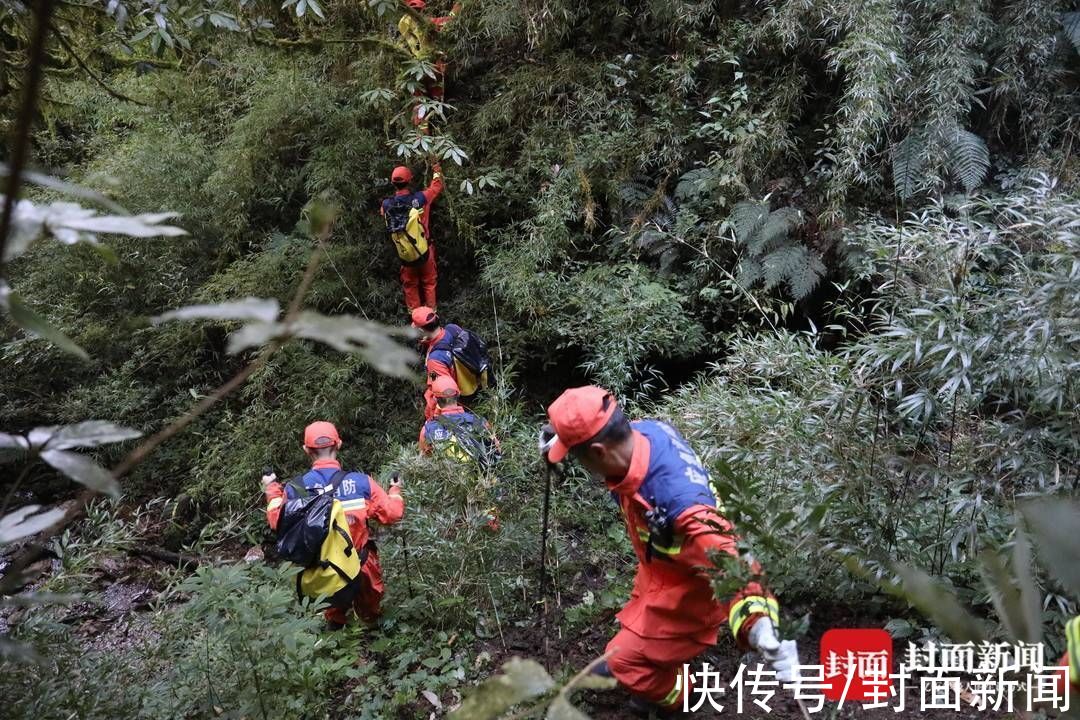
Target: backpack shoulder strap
<point x="335" y="481"/>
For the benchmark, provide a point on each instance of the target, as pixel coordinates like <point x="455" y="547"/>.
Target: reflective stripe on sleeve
<point x="1072" y="636"/>
<point x="674" y="549"/>
<point x="749" y="606"/>
<point x="275" y="503"/>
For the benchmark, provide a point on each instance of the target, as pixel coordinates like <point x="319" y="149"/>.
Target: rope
<point x="337" y="272"/>
<point x="498" y="337"/>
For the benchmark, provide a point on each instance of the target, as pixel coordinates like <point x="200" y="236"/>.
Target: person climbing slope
<point x="671" y="515"/>
<point x="467" y="438"/>
<point x="451" y="352"/>
<point x="362" y="500"/>
<point x="407" y="214"/>
<point x="422" y="46"/>
<point x="454" y="431"/>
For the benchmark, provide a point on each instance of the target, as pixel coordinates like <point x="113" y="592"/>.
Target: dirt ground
<point x="578" y="651"/>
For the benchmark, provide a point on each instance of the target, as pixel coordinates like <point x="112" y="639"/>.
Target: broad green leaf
<point x="321" y="214"/>
<point x="591" y="681"/>
<point x="15" y="442"/>
<point x="1030" y="597"/>
<point x="66" y="188"/>
<point x="246" y="309"/>
<point x="26" y="521"/>
<point x="355" y="335"/>
<point x="89" y="434"/>
<point x="82" y="470"/>
<point x="561" y="709"/>
<point x="1006" y="597"/>
<point x="520" y="681"/>
<point x="374" y="342"/>
<point x="142" y="226"/>
<point x="940" y="605"/>
<point x="254" y="335"/>
<point x="1055" y="523"/>
<point x="33" y="323"/>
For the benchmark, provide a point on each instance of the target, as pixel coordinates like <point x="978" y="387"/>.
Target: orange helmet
<point x="401" y="175"/>
<point x="444" y="387"/>
<point x="423" y="316"/>
<point x="321" y="434"/>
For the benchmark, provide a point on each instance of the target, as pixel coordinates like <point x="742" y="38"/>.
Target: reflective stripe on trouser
<point x="651" y="667"/>
<point x="749" y="606"/>
<point x="1072" y="638"/>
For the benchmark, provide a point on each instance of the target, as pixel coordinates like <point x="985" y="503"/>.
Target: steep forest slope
<point x="834" y="242"/>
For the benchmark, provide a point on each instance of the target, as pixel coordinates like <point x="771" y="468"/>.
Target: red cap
<point x="401" y="174"/>
<point x="422" y="316"/>
<point x="444" y="387"/>
<point x="577" y="415"/>
<point x="416" y="4"/>
<point x="321" y="434"/>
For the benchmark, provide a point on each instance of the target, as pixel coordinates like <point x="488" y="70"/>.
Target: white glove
<point x="783" y="657"/>
<point x="267" y="479"/>
<point x="546" y="440"/>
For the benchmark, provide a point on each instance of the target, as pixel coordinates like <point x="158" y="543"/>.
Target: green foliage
<point x="771" y="255"/>
<point x="240" y="648"/>
<point x="599" y="225"/>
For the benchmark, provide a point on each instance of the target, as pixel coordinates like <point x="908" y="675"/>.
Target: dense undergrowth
<point x="834" y="243"/>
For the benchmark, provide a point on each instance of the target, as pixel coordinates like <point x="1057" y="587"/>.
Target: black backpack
<point x="397" y="213"/>
<point x="306" y="521"/>
<point x="471" y="351"/>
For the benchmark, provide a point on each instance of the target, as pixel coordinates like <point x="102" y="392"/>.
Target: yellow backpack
<point x="404" y="225"/>
<point x="313" y="532"/>
<point x="337" y="574"/>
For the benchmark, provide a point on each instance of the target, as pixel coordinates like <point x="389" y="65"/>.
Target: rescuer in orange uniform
<point x="672" y="518"/>
<point x="456" y="432"/>
<point x="361" y="498"/>
<point x="417" y="281"/>
<point x="420" y="44"/>
<point x="435" y="341"/>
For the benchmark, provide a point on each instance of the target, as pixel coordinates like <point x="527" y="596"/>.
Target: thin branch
<point x="20" y="146"/>
<point x="140" y="453"/>
<point x="93" y="75"/>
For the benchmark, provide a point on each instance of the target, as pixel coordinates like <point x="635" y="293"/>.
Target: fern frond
<point x="909" y="163"/>
<point x="794" y="265"/>
<point x="746" y="218"/>
<point x="969" y="159"/>
<point x="748" y="272"/>
<point x="694" y="184"/>
<point x="1071" y="22"/>
<point x="777" y="227"/>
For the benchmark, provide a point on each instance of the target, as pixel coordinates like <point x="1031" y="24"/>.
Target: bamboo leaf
<point x="91" y="433"/>
<point x="36" y="325"/>
<point x="1055" y="523"/>
<point x="938" y="604"/>
<point x="82" y="470"/>
<point x="26" y="521"/>
<point x="247" y="309"/>
<point x="521" y="680"/>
